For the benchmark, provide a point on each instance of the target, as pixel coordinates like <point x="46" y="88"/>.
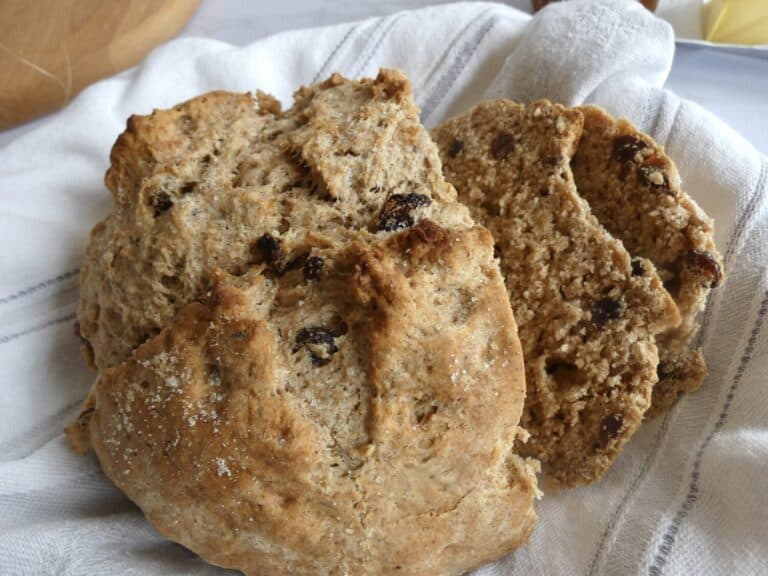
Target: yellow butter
<point x="737" y="21"/>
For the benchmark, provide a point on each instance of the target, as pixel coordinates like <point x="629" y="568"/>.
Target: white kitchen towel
<point x="688" y="494"/>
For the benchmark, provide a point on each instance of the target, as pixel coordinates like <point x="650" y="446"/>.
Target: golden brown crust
<point x="633" y="188"/>
<point x="340" y="389"/>
<point x="587" y="324"/>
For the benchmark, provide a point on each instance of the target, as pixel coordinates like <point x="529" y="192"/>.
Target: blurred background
<point x="722" y="21"/>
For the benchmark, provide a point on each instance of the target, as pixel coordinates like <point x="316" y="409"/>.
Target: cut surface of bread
<point x="633" y="188"/>
<point x="587" y="319"/>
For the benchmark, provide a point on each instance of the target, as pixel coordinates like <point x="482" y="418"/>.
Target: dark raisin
<point x="558" y="366"/>
<point x="320" y="342"/>
<point x="638" y="268"/>
<point x="610" y="426"/>
<point x="706" y="262"/>
<point x="604" y="310"/>
<point x="455" y="148"/>
<point x="396" y="213"/>
<point x="564" y="374"/>
<point x="625" y="148"/>
<point x="496" y="250"/>
<point x="188" y="187"/>
<point x="160" y="202"/>
<point x="665" y="370"/>
<point x="502" y="145"/>
<point x="312" y="267"/>
<point x="394" y="220"/>
<point x="413" y="200"/>
<point x="272" y="253"/>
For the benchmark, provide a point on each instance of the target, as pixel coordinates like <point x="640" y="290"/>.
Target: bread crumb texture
<point x="586" y="321"/>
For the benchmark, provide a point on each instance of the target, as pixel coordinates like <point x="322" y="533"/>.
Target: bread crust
<point x="333" y="381"/>
<point x="634" y="189"/>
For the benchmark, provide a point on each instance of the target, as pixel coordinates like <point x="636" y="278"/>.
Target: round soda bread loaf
<point x="342" y="390"/>
<point x="586" y="321"/>
<point x="633" y="188"/>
